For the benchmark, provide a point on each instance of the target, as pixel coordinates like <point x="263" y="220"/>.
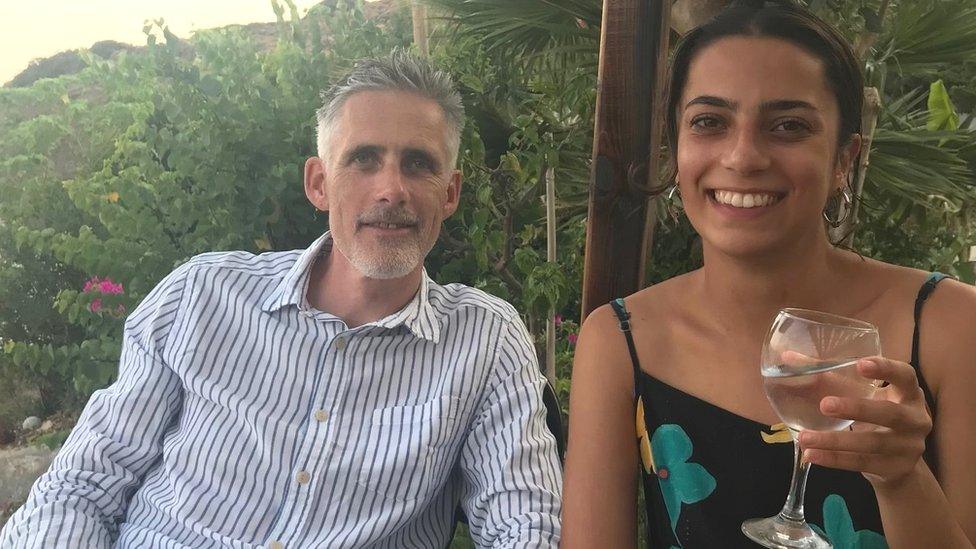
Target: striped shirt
<point x="242" y="417"/>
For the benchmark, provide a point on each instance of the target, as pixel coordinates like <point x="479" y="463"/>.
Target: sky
<point x="31" y="29"/>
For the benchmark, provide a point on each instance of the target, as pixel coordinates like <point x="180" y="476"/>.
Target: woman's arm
<point x="917" y="509"/>
<point x="600" y="482"/>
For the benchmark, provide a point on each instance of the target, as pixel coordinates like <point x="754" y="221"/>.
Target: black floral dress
<point x="705" y="469"/>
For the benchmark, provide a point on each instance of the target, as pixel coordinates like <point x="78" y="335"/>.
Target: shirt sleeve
<point x="83" y="496"/>
<point x="513" y="483"/>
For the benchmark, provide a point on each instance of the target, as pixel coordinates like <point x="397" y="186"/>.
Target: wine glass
<point x="806" y="356"/>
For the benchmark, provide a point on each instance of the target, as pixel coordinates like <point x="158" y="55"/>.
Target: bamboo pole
<point x="551" y="258"/>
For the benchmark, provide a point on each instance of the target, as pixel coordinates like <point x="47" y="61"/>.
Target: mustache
<point x="392" y="216"/>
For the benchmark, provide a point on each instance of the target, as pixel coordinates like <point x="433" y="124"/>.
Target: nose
<point x="391" y="185"/>
<point x="746" y="153"/>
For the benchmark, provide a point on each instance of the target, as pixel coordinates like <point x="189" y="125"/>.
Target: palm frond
<point x="928" y="37"/>
<point x="551" y="32"/>
<point x="924" y="167"/>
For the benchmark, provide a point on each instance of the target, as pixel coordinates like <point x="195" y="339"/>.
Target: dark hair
<point x="783" y="20"/>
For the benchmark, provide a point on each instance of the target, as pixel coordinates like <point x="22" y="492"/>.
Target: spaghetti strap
<point x="923" y="294"/>
<point x="623" y="320"/>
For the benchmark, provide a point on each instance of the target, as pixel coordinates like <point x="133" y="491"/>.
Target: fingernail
<point x="830" y="404"/>
<point x="805" y="458"/>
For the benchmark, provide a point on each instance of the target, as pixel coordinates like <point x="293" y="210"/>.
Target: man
<point x="331" y="397"/>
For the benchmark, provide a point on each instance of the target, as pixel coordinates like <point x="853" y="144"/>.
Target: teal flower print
<point x="681" y="482"/>
<point x="839" y="527"/>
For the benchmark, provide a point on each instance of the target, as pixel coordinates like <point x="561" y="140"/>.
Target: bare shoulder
<point x="601" y="354"/>
<point x="947" y="328"/>
<point x="662" y="299"/>
<point x="602" y="347"/>
<point x="947" y="323"/>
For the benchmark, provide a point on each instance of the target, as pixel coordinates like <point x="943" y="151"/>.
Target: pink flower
<point x="559" y="320"/>
<point x="572" y="339"/>
<point x="103" y="286"/>
<point x="91" y="283"/>
<point x="95" y="306"/>
<point x="108" y="287"/>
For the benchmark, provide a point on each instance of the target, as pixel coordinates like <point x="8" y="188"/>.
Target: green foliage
<point x="53" y="441"/>
<point x="133" y="165"/>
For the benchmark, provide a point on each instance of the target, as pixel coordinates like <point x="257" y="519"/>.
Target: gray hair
<point x="399" y="71"/>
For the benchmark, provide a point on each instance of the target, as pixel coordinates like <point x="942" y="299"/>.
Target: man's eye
<point x="363" y="158"/>
<point x="419" y="164"/>
<point x="791" y="126"/>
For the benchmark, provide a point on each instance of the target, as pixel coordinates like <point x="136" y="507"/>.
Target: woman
<point x="764" y="110"/>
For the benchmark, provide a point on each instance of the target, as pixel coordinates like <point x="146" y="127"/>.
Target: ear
<point x="847" y="157"/>
<point x="453" y="194"/>
<point x="315" y="188"/>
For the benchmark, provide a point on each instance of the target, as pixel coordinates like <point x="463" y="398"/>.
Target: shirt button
<point x="303" y="477"/>
<point x="340" y="343"/>
<point x="276" y="545"/>
<point x="307" y="313"/>
<point x="321" y="415"/>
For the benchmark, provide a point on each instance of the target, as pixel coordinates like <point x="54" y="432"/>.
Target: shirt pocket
<point x="405" y="445"/>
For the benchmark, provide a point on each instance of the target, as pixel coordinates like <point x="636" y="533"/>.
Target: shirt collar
<point x="418" y="315"/>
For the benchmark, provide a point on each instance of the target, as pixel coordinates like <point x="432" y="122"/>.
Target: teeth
<point x="743" y="200"/>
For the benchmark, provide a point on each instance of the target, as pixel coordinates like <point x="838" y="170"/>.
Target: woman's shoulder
<point x="946" y="319"/>
<point x="949" y="298"/>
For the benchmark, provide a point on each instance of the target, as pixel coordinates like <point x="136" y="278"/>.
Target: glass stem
<point x="793" y="508"/>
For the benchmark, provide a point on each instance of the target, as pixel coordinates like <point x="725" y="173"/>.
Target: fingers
<point x="862" y="442"/>
<point x="900" y="376"/>
<point x="794" y="359"/>
<point x="877" y="465"/>
<point x="899" y="417"/>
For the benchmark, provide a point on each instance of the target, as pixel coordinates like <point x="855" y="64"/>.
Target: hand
<point x="889" y="452"/>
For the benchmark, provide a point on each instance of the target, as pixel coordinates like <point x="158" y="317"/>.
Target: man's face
<point x="386" y="182"/>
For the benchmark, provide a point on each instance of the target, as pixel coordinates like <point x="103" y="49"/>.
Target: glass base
<point x="781" y="533"/>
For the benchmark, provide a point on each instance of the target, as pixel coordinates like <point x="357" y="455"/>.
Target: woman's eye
<point x="706" y="123"/>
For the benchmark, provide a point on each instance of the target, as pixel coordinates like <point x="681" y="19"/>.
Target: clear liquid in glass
<point x="796" y="394"/>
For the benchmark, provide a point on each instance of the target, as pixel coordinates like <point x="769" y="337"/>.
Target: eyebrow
<point x="766" y="106"/>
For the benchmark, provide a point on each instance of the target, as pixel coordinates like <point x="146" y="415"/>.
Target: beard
<point x="385" y="257"/>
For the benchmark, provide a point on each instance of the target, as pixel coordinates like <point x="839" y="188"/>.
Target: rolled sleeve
<point x="513" y="483"/>
<point x="84" y="495"/>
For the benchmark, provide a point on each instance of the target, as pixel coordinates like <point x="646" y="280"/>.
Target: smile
<point x="744" y="200"/>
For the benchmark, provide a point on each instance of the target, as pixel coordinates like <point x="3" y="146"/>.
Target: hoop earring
<point x="673" y="204"/>
<point x="843" y="208"/>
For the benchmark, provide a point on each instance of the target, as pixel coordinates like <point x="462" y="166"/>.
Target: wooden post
<point x="633" y="49"/>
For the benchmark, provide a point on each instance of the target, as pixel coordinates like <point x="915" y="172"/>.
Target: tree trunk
<point x="633" y="50"/>
<point x="419" y="16"/>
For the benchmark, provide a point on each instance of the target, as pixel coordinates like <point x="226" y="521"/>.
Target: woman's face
<point x="757" y="148"/>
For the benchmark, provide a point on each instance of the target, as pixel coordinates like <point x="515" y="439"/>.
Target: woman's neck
<point x="748" y="291"/>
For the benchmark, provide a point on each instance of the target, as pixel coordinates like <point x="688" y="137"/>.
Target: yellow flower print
<point x="643" y="440"/>
<point x="780" y="434"/>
